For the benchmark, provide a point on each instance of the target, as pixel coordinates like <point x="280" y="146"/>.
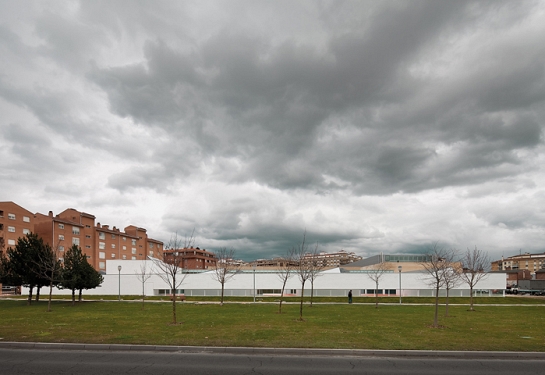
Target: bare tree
<point x="376" y="274"/>
<point x="304" y="269"/>
<point x="285" y="272"/>
<point x="436" y="267"/>
<point x="48" y="266"/>
<point x="475" y="265"/>
<point x="226" y="268"/>
<point x="169" y="265"/>
<point x="315" y="267"/>
<point x="451" y="274"/>
<point x="143" y="275"/>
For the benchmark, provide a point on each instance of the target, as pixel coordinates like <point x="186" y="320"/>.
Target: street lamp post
<point x="119" y="282"/>
<point x="399" y="269"/>
<point x="253" y="266"/>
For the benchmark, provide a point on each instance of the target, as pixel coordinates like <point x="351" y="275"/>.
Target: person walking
<point x="350" y="296"/>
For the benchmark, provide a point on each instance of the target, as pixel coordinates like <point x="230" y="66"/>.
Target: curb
<point x="277" y="351"/>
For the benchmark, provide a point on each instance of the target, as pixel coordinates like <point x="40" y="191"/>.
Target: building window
<point x="87" y="226"/>
<point x="101" y="235"/>
<point x="124" y="238"/>
<point x="87" y="246"/>
<point x="11" y="242"/>
<point x="75" y="241"/>
<point x="133" y="250"/>
<point x="113" y="246"/>
<point x="61" y="259"/>
<point x="1" y="226"/>
<point x="124" y="257"/>
<point x="113" y="255"/>
<point x="61" y="248"/>
<point x="101" y="245"/>
<point x="26" y="219"/>
<point x="87" y="236"/>
<point x="11" y="216"/>
<point x="61" y="226"/>
<point x="150" y="253"/>
<point x="11" y="229"/>
<point x="124" y="247"/>
<point x="26" y="231"/>
<point x="1" y="213"/>
<point x="101" y="255"/>
<point x="134" y="242"/>
<point x="150" y="245"/>
<point x="75" y="230"/>
<point x="61" y="237"/>
<point x="113" y="236"/>
<point x="133" y="258"/>
<point x="102" y="265"/>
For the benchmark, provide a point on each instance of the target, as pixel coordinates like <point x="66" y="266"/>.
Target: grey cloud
<point x="266" y="105"/>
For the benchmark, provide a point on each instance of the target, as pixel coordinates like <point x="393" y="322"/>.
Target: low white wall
<point x="127" y="281"/>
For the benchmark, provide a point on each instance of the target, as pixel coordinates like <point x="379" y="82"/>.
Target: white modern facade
<point x="127" y="281"/>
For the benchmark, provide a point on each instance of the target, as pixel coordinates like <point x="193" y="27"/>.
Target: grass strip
<point x="499" y="328"/>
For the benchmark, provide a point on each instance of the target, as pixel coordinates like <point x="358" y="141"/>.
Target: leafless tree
<point x="169" y="265"/>
<point x="225" y="268"/>
<point x="315" y="267"/>
<point x="436" y="267"/>
<point x="143" y="275"/>
<point x="475" y="265"/>
<point x="304" y="269"/>
<point x="376" y="274"/>
<point x="48" y="266"/>
<point x="285" y="271"/>
<point x="451" y="274"/>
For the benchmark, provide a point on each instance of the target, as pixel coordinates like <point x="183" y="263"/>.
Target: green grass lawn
<point x="508" y="327"/>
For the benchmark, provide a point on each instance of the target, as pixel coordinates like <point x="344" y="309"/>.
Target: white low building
<point x="127" y="281"/>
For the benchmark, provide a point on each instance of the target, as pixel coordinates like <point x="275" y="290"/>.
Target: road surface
<point x="81" y="362"/>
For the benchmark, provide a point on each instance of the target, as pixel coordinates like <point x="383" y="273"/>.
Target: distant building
<point x="408" y="262"/>
<point x="72" y="227"/>
<point x="526" y="261"/>
<point x="331" y="260"/>
<point x="192" y="258"/>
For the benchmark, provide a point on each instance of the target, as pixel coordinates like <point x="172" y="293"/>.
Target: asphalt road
<point x="81" y="362"/>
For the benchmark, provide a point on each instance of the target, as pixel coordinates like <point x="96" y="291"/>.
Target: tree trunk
<point x="222" y="290"/>
<point x="143" y="295"/>
<point x="38" y="293"/>
<point x="302" y="296"/>
<point x="376" y="295"/>
<point x="281" y="296"/>
<point x="311" y="291"/>
<point x="50" y="295"/>
<point x="80" y="295"/>
<point x="471" y="298"/>
<point x="435" y="319"/>
<point x="29" y="301"/>
<point x="73" y="297"/>
<point x="446" y="303"/>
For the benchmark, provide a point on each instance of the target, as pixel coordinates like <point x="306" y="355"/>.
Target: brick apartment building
<point x="526" y="261"/>
<point x="192" y="258"/>
<point x="72" y="227"/>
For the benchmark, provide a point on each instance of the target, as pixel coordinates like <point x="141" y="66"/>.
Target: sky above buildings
<point x="374" y="126"/>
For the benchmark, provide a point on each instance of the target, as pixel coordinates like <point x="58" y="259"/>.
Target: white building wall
<point x="126" y="281"/>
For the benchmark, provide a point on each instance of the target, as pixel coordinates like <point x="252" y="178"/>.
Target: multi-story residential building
<point x="336" y="259"/>
<point x="526" y="261"/>
<point x="72" y="227"/>
<point x="191" y="258"/>
<point x="15" y="222"/>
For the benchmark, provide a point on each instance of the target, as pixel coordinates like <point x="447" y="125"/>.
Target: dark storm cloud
<point x="266" y="105"/>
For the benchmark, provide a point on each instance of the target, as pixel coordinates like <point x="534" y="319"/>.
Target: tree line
<point x="34" y="264"/>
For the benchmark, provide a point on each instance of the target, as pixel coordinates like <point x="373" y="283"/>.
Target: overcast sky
<point x="376" y="126"/>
